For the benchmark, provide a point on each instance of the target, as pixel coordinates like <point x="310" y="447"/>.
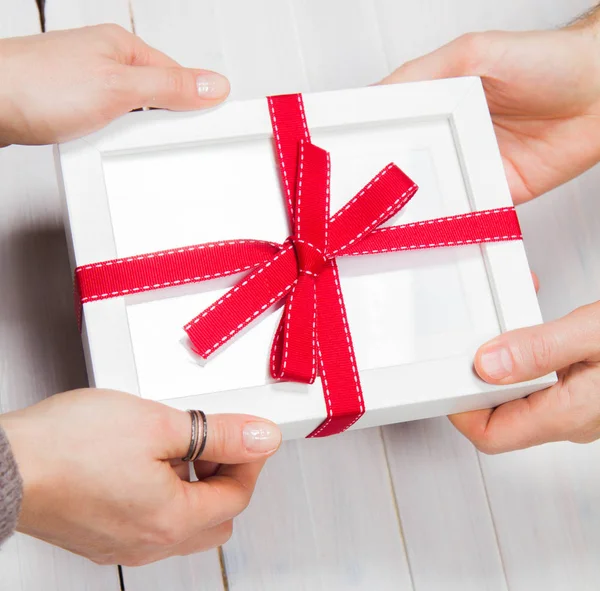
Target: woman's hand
<point x="543" y="91"/>
<point x="61" y="85"/>
<point x="102" y="475"/>
<point x="569" y="410"/>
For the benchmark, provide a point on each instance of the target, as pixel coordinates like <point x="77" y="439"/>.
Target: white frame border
<point x="459" y="100"/>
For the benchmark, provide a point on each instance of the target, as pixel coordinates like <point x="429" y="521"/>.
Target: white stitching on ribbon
<point x="286" y="181"/>
<point x="353" y="363"/>
<point x="398" y="203"/>
<point x="376" y="179"/>
<point x="163" y="253"/>
<point x="487" y="239"/>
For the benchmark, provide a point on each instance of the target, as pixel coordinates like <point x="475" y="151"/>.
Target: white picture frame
<point x="129" y="189"/>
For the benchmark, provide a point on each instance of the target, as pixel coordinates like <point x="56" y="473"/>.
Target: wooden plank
<point x="176" y="573"/>
<point x="544" y="501"/>
<point x="39" y="343"/>
<point x="188" y="31"/>
<point x="200" y="572"/>
<point x="323" y="518"/>
<point x="28" y="564"/>
<point x="443" y="507"/>
<point x="68" y="14"/>
<point x="310" y="487"/>
<point x="440" y="492"/>
<point x="340" y="42"/>
<point x="261" y="59"/>
<point x="328" y="541"/>
<point x="410" y="30"/>
<point x="562" y="241"/>
<point x="227" y="43"/>
<point x="21" y="19"/>
<point x="523" y="561"/>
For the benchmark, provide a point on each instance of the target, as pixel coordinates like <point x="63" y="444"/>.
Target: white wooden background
<point x="405" y="507"/>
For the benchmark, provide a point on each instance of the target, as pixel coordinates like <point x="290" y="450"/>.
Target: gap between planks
<point x="396" y="507"/>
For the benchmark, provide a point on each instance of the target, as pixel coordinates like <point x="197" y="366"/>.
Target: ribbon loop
<point x="381" y="199"/>
<point x="294" y="351"/>
<point x="252" y="296"/>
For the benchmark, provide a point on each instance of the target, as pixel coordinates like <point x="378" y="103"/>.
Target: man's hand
<point x="102" y="475"/>
<point x="543" y="91"/>
<point x="569" y="410"/>
<point x="61" y="85"/>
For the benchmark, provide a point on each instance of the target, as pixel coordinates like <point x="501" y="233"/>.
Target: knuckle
<point x="158" y="421"/>
<point x="238" y="500"/>
<point x="136" y="560"/>
<point x="222" y="437"/>
<point x="471" y="42"/>
<point x="112" y="30"/>
<point x="540" y="352"/>
<point x="580" y="421"/>
<point x="117" y="89"/>
<point x="588" y="316"/>
<point x="225" y="533"/>
<point x="209" y="539"/>
<point x="485" y="445"/>
<point x="175" y="81"/>
<point x="584" y="438"/>
<point x="163" y="533"/>
<point x="103" y="560"/>
<point x="471" y="49"/>
<point x="166" y="537"/>
<point x="486" y="442"/>
<point x="244" y="498"/>
<point x="112" y="78"/>
<point x="130" y="562"/>
<point x="482" y="438"/>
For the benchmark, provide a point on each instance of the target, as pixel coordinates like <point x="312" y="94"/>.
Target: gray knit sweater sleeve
<point x="11" y="489"/>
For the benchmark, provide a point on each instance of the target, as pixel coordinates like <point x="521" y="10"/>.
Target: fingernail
<point x="212" y="85"/>
<point x="261" y="437"/>
<point x="496" y="363"/>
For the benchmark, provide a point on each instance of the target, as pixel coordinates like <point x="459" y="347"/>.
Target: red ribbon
<point x="313" y="335"/>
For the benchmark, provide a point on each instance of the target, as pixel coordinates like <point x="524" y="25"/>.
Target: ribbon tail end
<point x="195" y="342"/>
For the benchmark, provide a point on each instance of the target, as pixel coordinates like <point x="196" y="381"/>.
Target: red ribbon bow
<point x="313" y="331"/>
<point x="313" y="334"/>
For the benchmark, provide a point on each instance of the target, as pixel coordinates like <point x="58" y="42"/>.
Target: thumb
<point x="458" y="58"/>
<point x="174" y="88"/>
<point x="530" y="353"/>
<point x="230" y="439"/>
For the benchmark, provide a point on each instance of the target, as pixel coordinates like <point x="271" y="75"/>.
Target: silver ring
<point x="198" y="438"/>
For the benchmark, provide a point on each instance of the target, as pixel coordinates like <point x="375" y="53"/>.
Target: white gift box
<point x="158" y="180"/>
